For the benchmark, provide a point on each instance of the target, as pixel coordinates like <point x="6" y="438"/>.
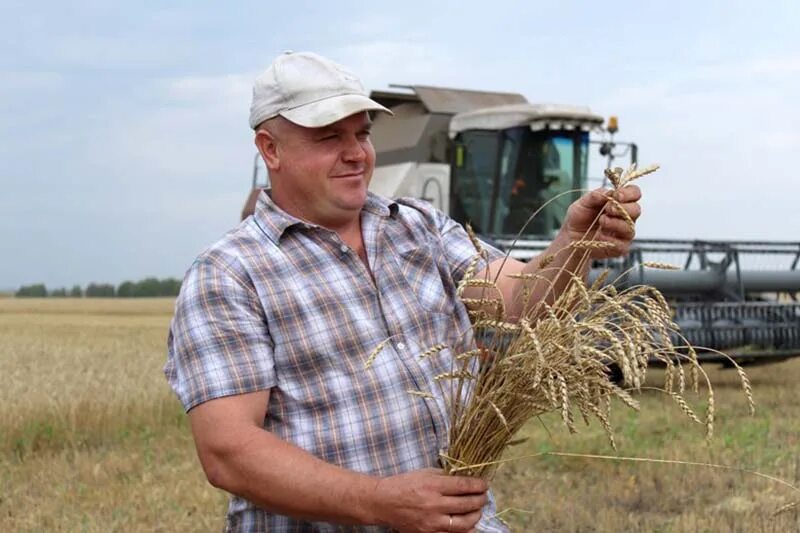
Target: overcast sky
<point x="125" y="149"/>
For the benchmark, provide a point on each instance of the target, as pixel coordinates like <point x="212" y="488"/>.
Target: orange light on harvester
<point x="613" y="125"/>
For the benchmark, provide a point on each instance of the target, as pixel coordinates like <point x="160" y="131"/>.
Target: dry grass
<point x="131" y="466"/>
<point x="574" y="494"/>
<point x="91" y="437"/>
<point x="78" y="370"/>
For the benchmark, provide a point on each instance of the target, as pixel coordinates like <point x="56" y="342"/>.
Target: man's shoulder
<point x="424" y="207"/>
<point x="423" y="212"/>
<point x="418" y="211"/>
<point x="235" y="248"/>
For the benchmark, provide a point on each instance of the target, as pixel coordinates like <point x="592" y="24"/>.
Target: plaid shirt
<point x="285" y="305"/>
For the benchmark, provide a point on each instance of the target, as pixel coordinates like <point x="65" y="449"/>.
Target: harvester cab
<point x="488" y="158"/>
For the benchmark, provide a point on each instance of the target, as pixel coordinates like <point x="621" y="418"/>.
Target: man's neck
<point x="347" y="226"/>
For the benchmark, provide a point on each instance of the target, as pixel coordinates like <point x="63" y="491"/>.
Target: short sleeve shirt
<point x="285" y="305"/>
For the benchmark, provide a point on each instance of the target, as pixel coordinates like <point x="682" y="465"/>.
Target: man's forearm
<point x="285" y="479"/>
<point x="544" y="283"/>
<point x="239" y="456"/>
<point x="554" y="278"/>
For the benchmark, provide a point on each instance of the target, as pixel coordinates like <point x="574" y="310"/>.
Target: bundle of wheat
<point x="556" y="355"/>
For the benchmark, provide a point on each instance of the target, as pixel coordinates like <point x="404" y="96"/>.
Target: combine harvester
<point x="494" y="158"/>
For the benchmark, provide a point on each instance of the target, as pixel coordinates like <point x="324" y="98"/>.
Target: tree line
<point x="146" y="288"/>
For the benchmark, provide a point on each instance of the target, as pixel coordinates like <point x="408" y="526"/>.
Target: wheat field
<point x="92" y="439"/>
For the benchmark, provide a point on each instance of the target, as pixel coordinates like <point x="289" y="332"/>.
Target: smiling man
<point x="275" y="322"/>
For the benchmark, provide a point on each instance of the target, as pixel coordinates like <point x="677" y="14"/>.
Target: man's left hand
<point x="582" y="222"/>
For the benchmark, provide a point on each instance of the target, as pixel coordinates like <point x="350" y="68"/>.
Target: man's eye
<point x="328" y="137"/>
<point x="365" y="134"/>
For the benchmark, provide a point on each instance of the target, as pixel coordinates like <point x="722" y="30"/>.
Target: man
<point x="274" y="324"/>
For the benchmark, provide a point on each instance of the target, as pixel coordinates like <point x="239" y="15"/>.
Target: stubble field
<point x="92" y="439"/>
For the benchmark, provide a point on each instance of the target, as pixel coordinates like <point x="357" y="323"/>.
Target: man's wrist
<point x="365" y="497"/>
<point x="560" y="247"/>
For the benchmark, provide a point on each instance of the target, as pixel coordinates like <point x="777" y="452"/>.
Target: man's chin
<point x="354" y="197"/>
<point x="353" y="204"/>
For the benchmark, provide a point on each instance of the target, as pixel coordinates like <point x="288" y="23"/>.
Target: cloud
<point x="381" y="62"/>
<point x="782" y="66"/>
<point x="96" y="35"/>
<point x="780" y="139"/>
<point x="17" y="81"/>
<point x="758" y="70"/>
<point x="192" y="130"/>
<point x="220" y="91"/>
<point x="724" y="136"/>
<point x="718" y="100"/>
<point x="113" y="52"/>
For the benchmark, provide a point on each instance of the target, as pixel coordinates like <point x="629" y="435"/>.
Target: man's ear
<point x="268" y="148"/>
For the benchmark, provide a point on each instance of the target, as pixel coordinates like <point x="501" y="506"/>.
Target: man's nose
<point x="354" y="151"/>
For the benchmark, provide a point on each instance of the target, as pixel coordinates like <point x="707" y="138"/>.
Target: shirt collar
<point x="380" y="205"/>
<point x="274" y="221"/>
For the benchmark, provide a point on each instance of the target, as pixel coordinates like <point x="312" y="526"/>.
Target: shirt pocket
<point x="424" y="268"/>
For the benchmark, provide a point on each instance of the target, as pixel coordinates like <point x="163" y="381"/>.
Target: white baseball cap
<point x="309" y="90"/>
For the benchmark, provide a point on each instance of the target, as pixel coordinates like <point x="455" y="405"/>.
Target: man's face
<point x="323" y="173"/>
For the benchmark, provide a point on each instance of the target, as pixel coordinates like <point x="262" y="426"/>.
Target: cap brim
<point x="329" y="110"/>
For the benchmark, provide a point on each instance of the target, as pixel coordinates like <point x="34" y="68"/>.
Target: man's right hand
<point x="425" y="501"/>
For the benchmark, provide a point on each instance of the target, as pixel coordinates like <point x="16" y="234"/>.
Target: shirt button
<point x="344" y="248"/>
<point x="401" y="346"/>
